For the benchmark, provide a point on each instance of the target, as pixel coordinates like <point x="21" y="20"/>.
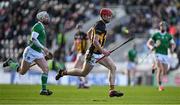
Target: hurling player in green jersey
<point x="161" y="42"/>
<point x="35" y="52"/>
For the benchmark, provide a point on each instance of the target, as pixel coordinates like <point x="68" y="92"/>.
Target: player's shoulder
<point x="38" y="25"/>
<point x="100" y="24"/>
<point x="157" y="33"/>
<point x="168" y="34"/>
<point x="83" y="33"/>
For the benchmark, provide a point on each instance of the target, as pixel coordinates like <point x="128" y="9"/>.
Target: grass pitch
<point x="96" y="95"/>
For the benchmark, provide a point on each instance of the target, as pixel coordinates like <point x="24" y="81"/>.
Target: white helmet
<point x="42" y="15"/>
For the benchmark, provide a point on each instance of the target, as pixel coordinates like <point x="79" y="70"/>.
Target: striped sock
<point x="111" y="87"/>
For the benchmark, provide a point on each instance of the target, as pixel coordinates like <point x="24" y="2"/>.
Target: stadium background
<point x="140" y="17"/>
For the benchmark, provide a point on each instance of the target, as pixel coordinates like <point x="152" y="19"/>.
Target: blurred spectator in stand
<point x="131" y="66"/>
<point x="17" y="17"/>
<point x="59" y="54"/>
<point x="172" y="29"/>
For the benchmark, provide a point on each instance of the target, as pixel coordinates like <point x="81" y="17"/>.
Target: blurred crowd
<point x="18" y="16"/>
<point x="145" y="15"/>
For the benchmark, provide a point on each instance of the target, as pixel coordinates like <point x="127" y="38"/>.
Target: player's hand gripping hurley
<point x="116" y="48"/>
<point x="47" y="57"/>
<point x="157" y="44"/>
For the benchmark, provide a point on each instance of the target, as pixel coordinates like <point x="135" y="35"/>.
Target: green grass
<point x="66" y="95"/>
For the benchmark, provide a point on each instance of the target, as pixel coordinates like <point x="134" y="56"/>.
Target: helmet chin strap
<point x="104" y="20"/>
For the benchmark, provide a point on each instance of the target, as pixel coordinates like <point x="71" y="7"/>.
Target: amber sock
<point x="111" y="87"/>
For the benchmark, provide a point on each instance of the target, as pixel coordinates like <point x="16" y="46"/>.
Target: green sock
<point x="44" y="78"/>
<point x="14" y="65"/>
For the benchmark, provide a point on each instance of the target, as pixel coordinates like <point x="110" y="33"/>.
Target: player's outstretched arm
<point x="37" y="43"/>
<point x="172" y="45"/>
<point x="98" y="46"/>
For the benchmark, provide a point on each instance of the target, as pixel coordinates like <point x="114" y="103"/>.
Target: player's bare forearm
<point x="37" y="43"/>
<point x="172" y="47"/>
<point x="97" y="44"/>
<point x="150" y="44"/>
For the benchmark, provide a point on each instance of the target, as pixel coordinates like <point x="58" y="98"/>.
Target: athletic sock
<point x="160" y="83"/>
<point x="111" y="87"/>
<point x="44" y="78"/>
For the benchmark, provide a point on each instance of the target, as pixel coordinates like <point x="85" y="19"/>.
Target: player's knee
<point x="113" y="68"/>
<point x="22" y="72"/>
<point x="46" y="70"/>
<point x="84" y="74"/>
<point x="164" y="72"/>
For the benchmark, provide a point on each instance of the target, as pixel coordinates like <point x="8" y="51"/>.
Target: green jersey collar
<point x="41" y="24"/>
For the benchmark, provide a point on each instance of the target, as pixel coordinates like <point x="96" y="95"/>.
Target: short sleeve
<point x="99" y="28"/>
<point x="154" y="37"/>
<point x="34" y="35"/>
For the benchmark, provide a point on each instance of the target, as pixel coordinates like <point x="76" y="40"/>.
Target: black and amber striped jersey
<point x="81" y="43"/>
<point x="100" y="30"/>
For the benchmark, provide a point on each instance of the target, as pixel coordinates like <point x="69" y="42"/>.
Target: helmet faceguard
<point x="163" y="26"/>
<point x="43" y="16"/>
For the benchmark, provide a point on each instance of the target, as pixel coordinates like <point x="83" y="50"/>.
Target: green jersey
<point x="164" y="40"/>
<point x="132" y="55"/>
<point x="38" y="28"/>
